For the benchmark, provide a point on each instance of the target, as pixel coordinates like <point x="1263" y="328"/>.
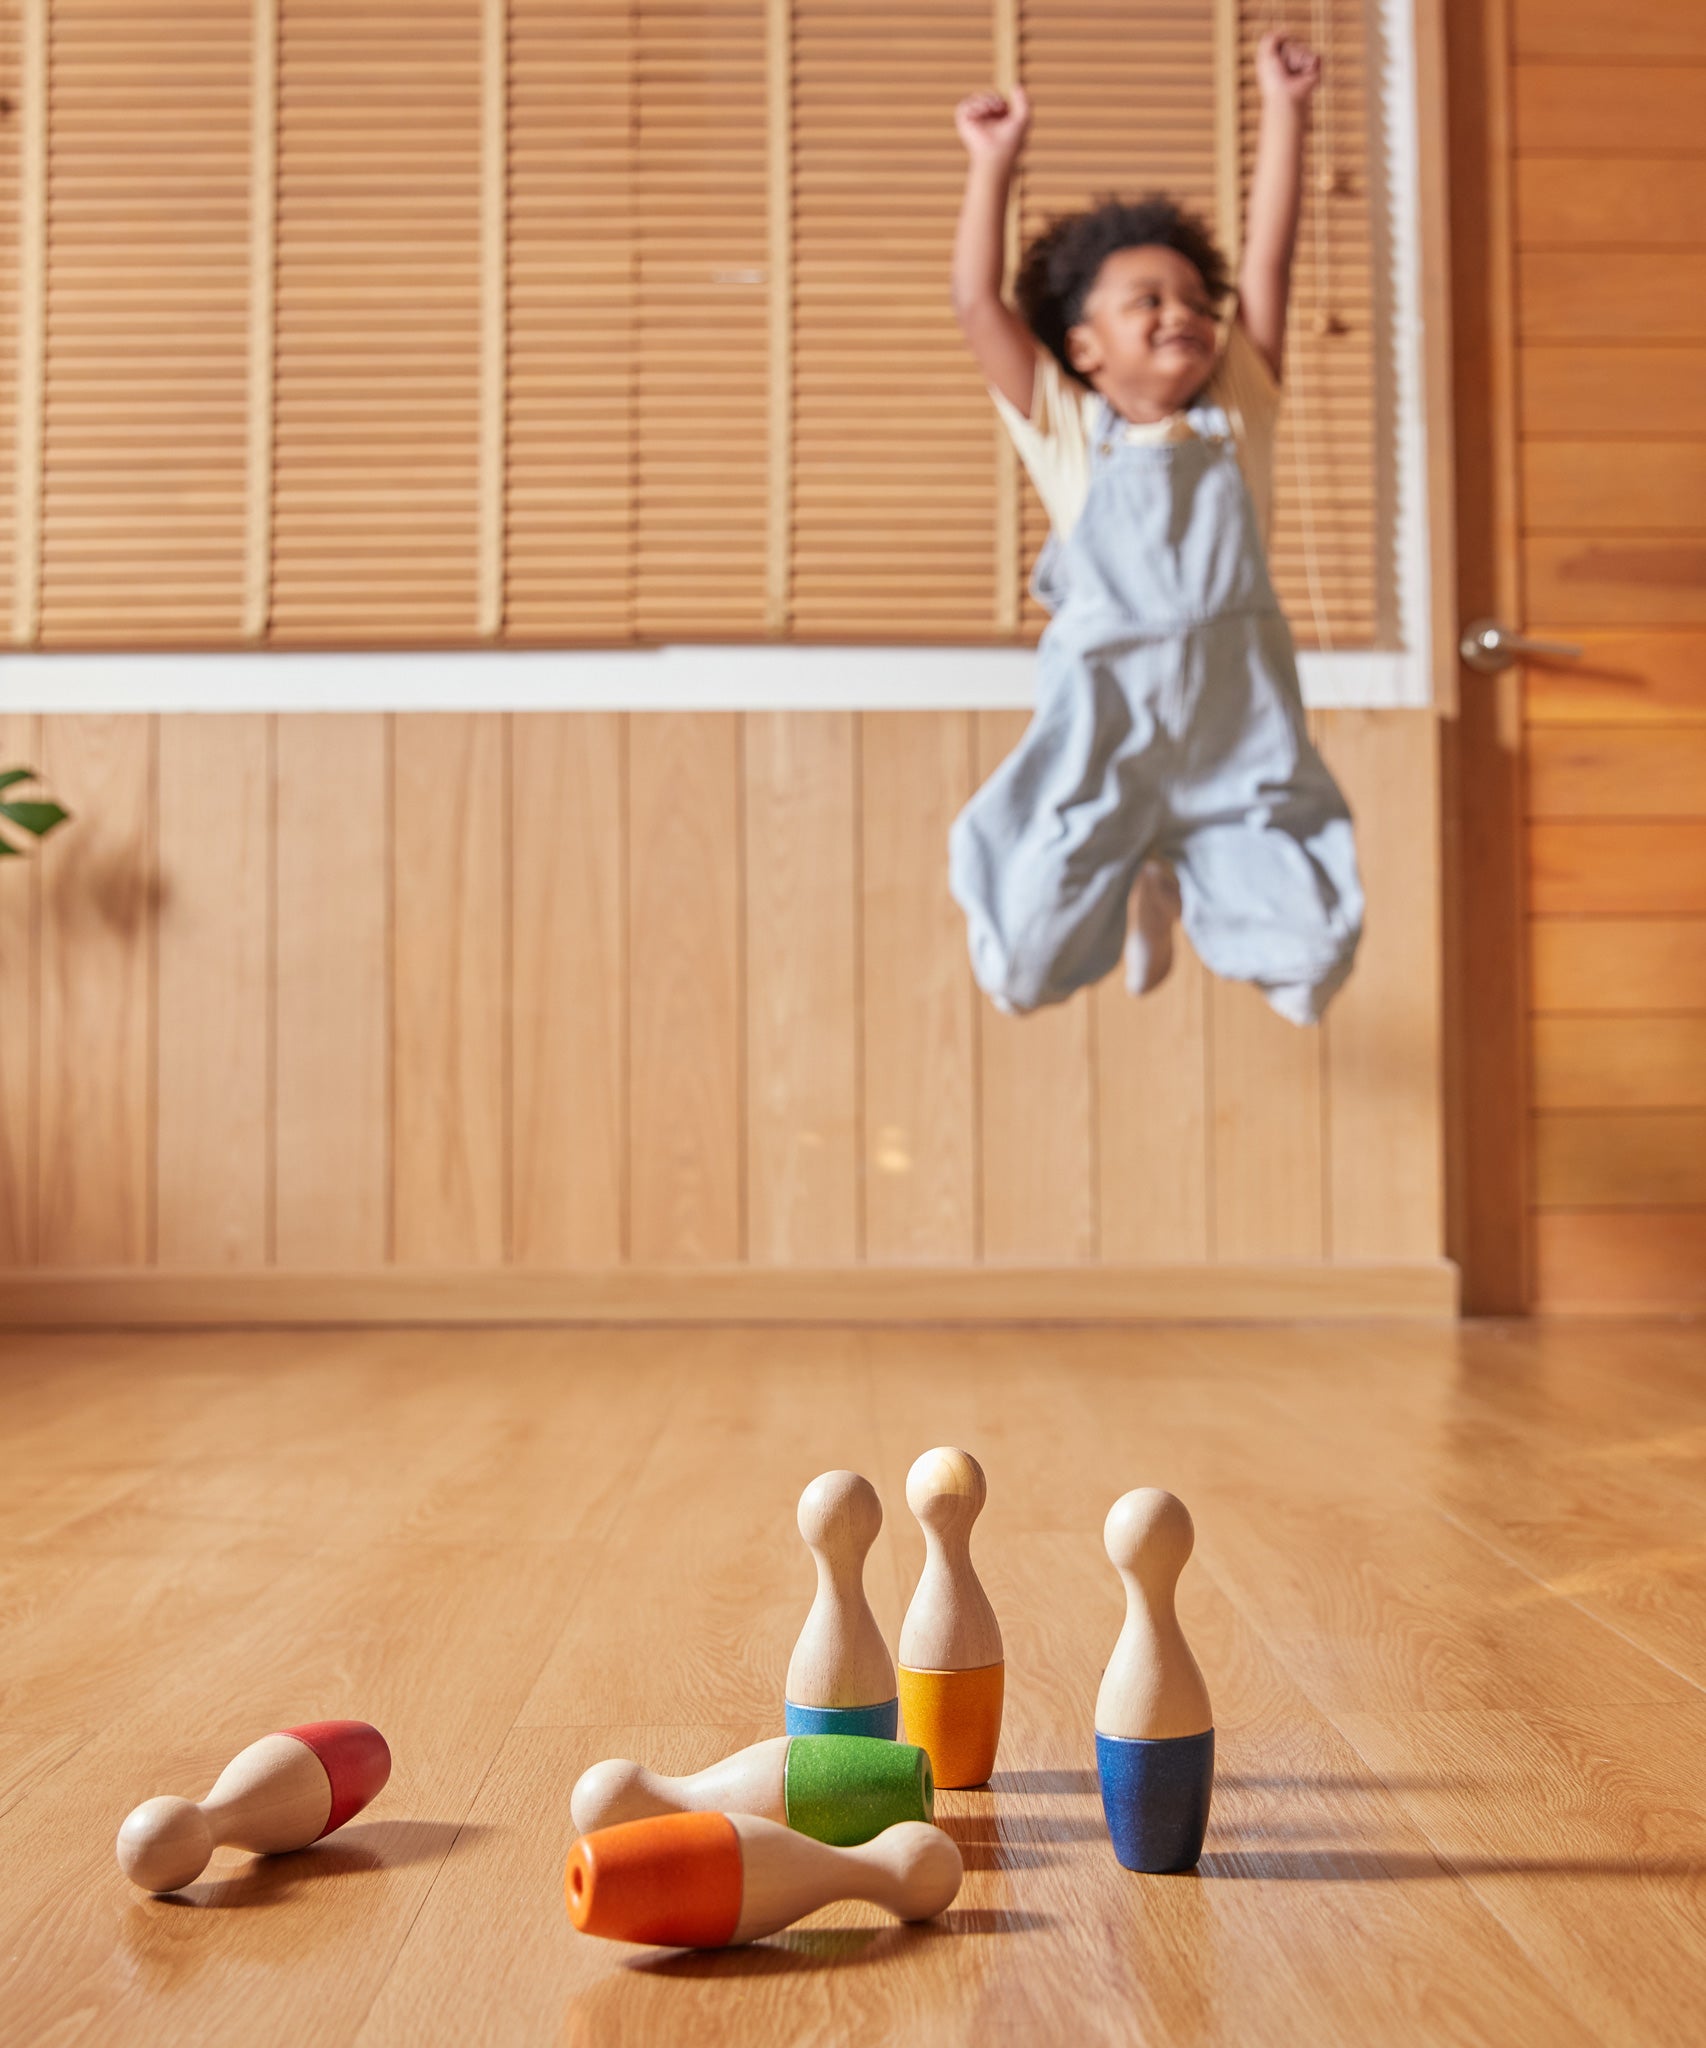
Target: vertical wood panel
<point x="570" y="1002"/>
<point x="212" y="1154"/>
<point x="1152" y="1116"/>
<point x="1382" y="1034"/>
<point x="1266" y="1160"/>
<point x="98" y="885"/>
<point x="20" y="996"/>
<point x="1035" y="1103"/>
<point x="684" y="1106"/>
<point x="802" y="988"/>
<point x="921" y="1176"/>
<point x="333" y="1009"/>
<point x="449" y="1154"/>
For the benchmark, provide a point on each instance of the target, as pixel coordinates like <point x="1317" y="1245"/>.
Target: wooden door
<point x="1577" y="793"/>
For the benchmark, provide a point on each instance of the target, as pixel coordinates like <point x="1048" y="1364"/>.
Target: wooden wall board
<point x="569" y="1012"/>
<point x="332" y="1029"/>
<point x="1578" y="484"/>
<point x="1267" y="1164"/>
<point x="20" y="1013"/>
<point x="803" y="857"/>
<point x="215" y="999"/>
<point x="922" y="1173"/>
<point x="1622" y="388"/>
<point x="1588" y="28"/>
<point x="1571" y="107"/>
<point x="1154" y="1081"/>
<point x="1037" y="1102"/>
<point x="1575" y="201"/>
<point x="1384" y="1063"/>
<point x="450" y="989"/>
<point x="1620" y="1062"/>
<point x="685" y="1063"/>
<point x="100" y="900"/>
<point x="1576" y="582"/>
<point x="1611" y="295"/>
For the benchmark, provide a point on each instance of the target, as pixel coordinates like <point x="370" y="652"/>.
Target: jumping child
<point x="1167" y="769"/>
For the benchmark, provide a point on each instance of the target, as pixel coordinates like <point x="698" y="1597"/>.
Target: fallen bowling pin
<point x="951" y="1672"/>
<point x="836" y="1788"/>
<point x="283" y="1792"/>
<point x="840" y="1678"/>
<point x="1154" y="1727"/>
<point x="713" y="1880"/>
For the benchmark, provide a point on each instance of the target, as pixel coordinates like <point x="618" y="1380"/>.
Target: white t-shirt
<point x="1054" y="443"/>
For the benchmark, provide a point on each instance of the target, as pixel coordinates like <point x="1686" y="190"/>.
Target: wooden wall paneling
<point x="1588" y="28"/>
<point x="1575" y="581"/>
<point x="1036" y="1103"/>
<point x="20" y="1022"/>
<point x="450" y="989"/>
<point x="569" y="1135"/>
<point x="95" y="1158"/>
<point x="1567" y="202"/>
<point x="146" y="423"/>
<point x="802" y="988"/>
<point x="1153" y="1107"/>
<point x="685" y="1118"/>
<point x="569" y="538"/>
<point x="1382" y="1035"/>
<point x="377" y="391"/>
<point x="1623" y="486"/>
<point x="1267" y="1163"/>
<point x="16" y="491"/>
<point x="1627" y="295"/>
<point x="920" y="1034"/>
<point x="214" y="992"/>
<point x="332" y="1197"/>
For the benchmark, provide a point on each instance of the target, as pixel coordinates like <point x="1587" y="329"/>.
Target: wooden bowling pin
<point x="280" y="1793"/>
<point x="1154" y="1727"/>
<point x="710" y="1880"/>
<point x="836" y="1788"/>
<point x="840" y="1678"/>
<point x="951" y="1672"/>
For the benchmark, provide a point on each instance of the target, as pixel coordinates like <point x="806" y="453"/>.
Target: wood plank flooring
<point x="1447" y="1595"/>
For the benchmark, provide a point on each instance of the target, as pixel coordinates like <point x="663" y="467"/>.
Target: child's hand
<point x="993" y="127"/>
<point x="1287" y="69"/>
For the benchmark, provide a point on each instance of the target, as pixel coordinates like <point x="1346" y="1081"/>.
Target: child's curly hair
<point x="1061" y="266"/>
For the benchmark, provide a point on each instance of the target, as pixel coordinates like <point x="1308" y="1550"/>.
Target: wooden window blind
<point x="437" y="322"/>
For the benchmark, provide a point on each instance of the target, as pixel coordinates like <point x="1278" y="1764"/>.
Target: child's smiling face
<point x="1147" y="336"/>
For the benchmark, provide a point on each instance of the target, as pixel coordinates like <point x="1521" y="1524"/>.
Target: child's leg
<point x="1267" y="902"/>
<point x="1043" y="857"/>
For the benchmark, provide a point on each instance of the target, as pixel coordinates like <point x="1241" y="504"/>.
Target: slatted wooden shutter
<point x="376" y="452"/>
<point x="895" y="509"/>
<point x="426" y="322"/>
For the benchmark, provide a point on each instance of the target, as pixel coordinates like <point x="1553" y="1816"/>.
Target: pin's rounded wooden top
<point x="1149" y="1533"/>
<point x="840" y="1514"/>
<point x="946" y="1488"/>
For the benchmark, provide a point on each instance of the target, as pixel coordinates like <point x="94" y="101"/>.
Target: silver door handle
<point x="1490" y="647"/>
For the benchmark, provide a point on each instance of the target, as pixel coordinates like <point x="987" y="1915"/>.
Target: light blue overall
<point x="1169" y="724"/>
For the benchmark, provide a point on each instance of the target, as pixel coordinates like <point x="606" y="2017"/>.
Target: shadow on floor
<point x="354" y="1851"/>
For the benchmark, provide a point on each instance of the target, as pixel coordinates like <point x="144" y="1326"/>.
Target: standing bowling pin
<point x="710" y="1880"/>
<point x="1154" y="1727"/>
<point x="836" y="1788"/>
<point x="951" y="1670"/>
<point x="840" y="1679"/>
<point x="280" y="1793"/>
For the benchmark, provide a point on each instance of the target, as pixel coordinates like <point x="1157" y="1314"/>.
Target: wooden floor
<point x="1449" y="1594"/>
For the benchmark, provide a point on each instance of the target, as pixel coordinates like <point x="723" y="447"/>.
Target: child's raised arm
<point x="1288" y="72"/>
<point x="993" y="131"/>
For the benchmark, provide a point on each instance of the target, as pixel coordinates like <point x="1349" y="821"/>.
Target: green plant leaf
<point x="33" y="817"/>
<point x="10" y="852"/>
<point x="10" y="775"/>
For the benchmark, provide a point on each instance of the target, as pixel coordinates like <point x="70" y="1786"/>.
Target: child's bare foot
<point x="1150" y="917"/>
